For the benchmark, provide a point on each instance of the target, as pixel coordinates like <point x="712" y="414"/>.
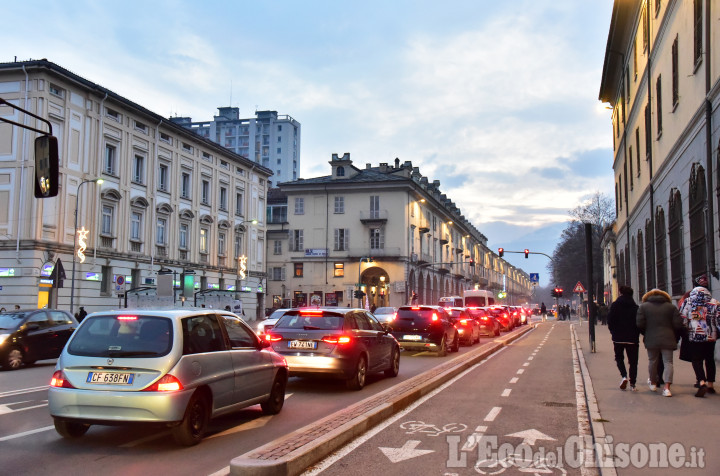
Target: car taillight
<point x="484" y="318"/>
<point x="337" y="339"/>
<point x="463" y="322"/>
<point x="169" y="383"/>
<point x="435" y="317"/>
<point x="272" y="338"/>
<point x="58" y="380"/>
<point x="127" y="318"/>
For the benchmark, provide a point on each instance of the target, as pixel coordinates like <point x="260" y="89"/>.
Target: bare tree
<point x="598" y="210"/>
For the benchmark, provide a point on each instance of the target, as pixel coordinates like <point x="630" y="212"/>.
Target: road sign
<point x="534" y="277"/>
<point x="579" y="288"/>
<point x="120" y="284"/>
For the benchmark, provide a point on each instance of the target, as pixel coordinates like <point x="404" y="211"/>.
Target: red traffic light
<point x="501" y="251"/>
<point x="527" y="252"/>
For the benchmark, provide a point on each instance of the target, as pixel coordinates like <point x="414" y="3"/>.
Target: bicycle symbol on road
<point x="429" y="429"/>
<point x="537" y="467"/>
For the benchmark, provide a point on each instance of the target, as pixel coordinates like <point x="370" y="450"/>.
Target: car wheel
<point x="394" y="369"/>
<point x="13" y="359"/>
<point x="443" y="347"/>
<point x="275" y="401"/>
<point x="357" y="381"/>
<point x="456" y="344"/>
<point x="497" y="332"/>
<point x="70" y="429"/>
<point x="192" y="428"/>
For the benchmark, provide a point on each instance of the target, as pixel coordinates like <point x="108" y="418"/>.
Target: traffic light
<point x="472" y="262"/>
<point x="553" y="293"/>
<point x="47" y="171"/>
<point x="527" y="252"/>
<point x="501" y="251"/>
<point x="359" y="294"/>
<point x="559" y="292"/>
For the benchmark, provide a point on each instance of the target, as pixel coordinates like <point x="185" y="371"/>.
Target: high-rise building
<point x="269" y="139"/>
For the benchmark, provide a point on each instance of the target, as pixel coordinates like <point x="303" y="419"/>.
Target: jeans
<point x="653" y="359"/>
<point x="632" y="356"/>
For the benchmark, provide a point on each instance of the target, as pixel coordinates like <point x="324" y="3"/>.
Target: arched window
<point x="649" y="254"/>
<point x="675" y="235"/>
<point x="697" y="205"/>
<point x="640" y="263"/>
<point x="340" y="171"/>
<point x="660" y="250"/>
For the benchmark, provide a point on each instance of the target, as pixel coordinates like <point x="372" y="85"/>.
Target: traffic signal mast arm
<point x="24" y="126"/>
<point x="526" y="252"/>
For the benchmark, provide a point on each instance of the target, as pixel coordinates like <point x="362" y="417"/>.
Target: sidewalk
<point x="641" y="418"/>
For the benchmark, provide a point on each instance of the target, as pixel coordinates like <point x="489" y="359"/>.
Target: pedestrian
<point x="17" y="308"/>
<point x="543" y="310"/>
<point x="2" y="309"/>
<point x="603" y="314"/>
<point x="699" y="313"/>
<point x="658" y="321"/>
<point x="81" y="314"/>
<point x="373" y="307"/>
<point x="414" y="299"/>
<point x="622" y="323"/>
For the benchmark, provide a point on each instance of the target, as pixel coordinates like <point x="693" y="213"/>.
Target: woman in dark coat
<point x="659" y="321"/>
<point x="699" y="313"/>
<point x="622" y="324"/>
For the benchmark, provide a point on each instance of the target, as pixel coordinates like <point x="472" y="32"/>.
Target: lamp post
<point x="359" y="284"/>
<point x="77" y="203"/>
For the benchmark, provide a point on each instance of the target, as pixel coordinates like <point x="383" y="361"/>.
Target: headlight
<point x="3" y="337"/>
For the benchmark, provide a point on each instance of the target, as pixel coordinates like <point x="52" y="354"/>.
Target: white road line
<point x="342" y="452"/>
<point x="514" y="380"/>
<point x="526" y="364"/>
<point x="23" y="390"/>
<point x="26" y="433"/>
<point x="506" y="392"/>
<point x="492" y="414"/>
<point x="520" y="371"/>
<point x="531" y="357"/>
<point x="481" y="429"/>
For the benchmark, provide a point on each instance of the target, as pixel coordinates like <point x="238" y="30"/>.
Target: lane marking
<point x="5" y="409"/>
<point x="26" y="433"/>
<point x="492" y="414"/>
<point x="526" y="364"/>
<point x="514" y="380"/>
<point x="23" y="390"/>
<point x="520" y="371"/>
<point x="506" y="392"/>
<point x="481" y="429"/>
<point x="531" y="357"/>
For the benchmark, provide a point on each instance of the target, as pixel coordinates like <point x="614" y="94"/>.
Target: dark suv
<point x="425" y="328"/>
<point x="30" y="335"/>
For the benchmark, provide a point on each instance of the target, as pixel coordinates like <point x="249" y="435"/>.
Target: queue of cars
<point x="181" y="368"/>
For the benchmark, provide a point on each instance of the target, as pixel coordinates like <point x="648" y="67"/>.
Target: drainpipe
<point x="152" y="206"/>
<point x="710" y="212"/>
<point x="22" y="165"/>
<point x="100" y="151"/>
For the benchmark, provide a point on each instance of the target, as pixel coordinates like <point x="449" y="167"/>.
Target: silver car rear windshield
<point x="309" y="322"/>
<point x="122" y="336"/>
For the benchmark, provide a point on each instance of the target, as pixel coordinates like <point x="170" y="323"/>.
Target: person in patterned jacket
<point x="699" y="313"/>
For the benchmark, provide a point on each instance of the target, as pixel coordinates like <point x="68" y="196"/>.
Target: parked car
<point x="468" y="328"/>
<point x="27" y="336"/>
<point x="425" y="327"/>
<point x="385" y="314"/>
<point x="268" y="323"/>
<point x="177" y="367"/>
<point x="502" y="314"/>
<point x="345" y="343"/>
<point x="487" y="323"/>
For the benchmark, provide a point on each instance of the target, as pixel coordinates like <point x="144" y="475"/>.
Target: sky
<point x="498" y="100"/>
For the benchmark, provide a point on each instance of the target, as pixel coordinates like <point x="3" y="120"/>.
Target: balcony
<point x="374" y="217"/>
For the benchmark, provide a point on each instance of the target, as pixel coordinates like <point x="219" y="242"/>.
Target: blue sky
<point x="496" y="99"/>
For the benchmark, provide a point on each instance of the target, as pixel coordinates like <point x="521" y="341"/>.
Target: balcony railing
<point x="373" y="216"/>
<point x="106" y="241"/>
<point x="136" y="247"/>
<point x="161" y="251"/>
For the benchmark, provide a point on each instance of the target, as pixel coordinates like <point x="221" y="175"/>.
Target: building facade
<point x="268" y="139"/>
<point x="171" y="203"/>
<point x="386" y="231"/>
<point x="661" y="78"/>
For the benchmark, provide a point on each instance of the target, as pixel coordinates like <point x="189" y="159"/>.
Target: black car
<point x="467" y="326"/>
<point x="489" y="325"/>
<point x="425" y="327"/>
<point x="30" y="335"/>
<point x="338" y="342"/>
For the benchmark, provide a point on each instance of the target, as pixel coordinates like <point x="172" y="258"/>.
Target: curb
<point x="291" y="454"/>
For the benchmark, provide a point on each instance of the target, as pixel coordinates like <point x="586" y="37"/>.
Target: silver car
<point x="267" y="324"/>
<point x="178" y="367"/>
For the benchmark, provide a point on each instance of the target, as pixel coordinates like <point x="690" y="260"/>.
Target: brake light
<point x="415" y="308"/>
<point x="435" y="317"/>
<point x="127" y="318"/>
<point x="169" y="383"/>
<point x="484" y="318"/>
<point x="463" y="322"/>
<point x="311" y="312"/>
<point x="272" y="338"/>
<point x="58" y="380"/>
<point x="337" y="339"/>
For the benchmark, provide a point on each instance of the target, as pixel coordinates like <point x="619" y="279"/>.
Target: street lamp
<point x="75" y="240"/>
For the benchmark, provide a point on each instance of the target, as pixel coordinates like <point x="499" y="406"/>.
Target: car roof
<point x="172" y="313"/>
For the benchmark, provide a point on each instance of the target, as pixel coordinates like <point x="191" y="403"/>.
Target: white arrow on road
<point x="531" y="436"/>
<point x="407" y="451"/>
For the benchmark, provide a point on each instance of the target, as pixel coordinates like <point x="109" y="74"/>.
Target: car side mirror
<point x="264" y="344"/>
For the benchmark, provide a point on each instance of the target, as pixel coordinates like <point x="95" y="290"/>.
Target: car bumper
<point x="93" y="405"/>
<point x="487" y="331"/>
<point x="339" y="366"/>
<point x="431" y="343"/>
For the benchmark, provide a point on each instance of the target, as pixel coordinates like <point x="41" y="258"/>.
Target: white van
<point x="450" y="301"/>
<point x="478" y="298"/>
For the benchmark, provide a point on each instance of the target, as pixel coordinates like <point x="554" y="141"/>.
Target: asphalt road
<point x="514" y="413"/>
<point x="30" y="445"/>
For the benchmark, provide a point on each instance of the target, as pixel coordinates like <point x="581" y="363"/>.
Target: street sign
<point x="579" y="288"/>
<point x="120" y="284"/>
<point x="534" y="277"/>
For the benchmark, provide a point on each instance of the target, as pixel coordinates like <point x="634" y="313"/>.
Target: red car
<point x="468" y="328"/>
<point x="503" y="315"/>
<point x="488" y="324"/>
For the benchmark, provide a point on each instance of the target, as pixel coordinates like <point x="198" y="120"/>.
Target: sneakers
<point x="666" y="393"/>
<point x="711" y="390"/>
<point x="652" y="386"/>
<point x="633" y="388"/>
<point x="701" y="391"/>
<point x="623" y="383"/>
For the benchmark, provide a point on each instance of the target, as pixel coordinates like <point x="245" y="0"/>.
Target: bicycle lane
<point x="513" y="413"/>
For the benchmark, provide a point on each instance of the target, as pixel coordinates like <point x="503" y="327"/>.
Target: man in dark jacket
<point x="621" y="318"/>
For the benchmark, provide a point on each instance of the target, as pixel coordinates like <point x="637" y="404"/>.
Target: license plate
<point x="412" y="337"/>
<point x="110" y="378"/>
<point x="302" y="344"/>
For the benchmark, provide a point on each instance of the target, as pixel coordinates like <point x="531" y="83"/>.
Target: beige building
<point x="170" y="200"/>
<point x="661" y="72"/>
<point x="387" y="231"/>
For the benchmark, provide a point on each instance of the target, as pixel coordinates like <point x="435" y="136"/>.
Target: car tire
<point x="394" y="368"/>
<point x="456" y="344"/>
<point x="191" y="429"/>
<point x="443" y="347"/>
<point x="357" y="381"/>
<point x="275" y="401"/>
<point x="70" y="429"/>
<point x="13" y="358"/>
<point x="497" y="332"/>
